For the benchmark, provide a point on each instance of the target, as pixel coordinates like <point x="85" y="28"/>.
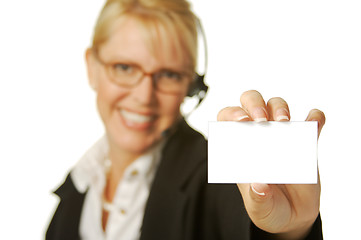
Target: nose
<point x="144" y="91"/>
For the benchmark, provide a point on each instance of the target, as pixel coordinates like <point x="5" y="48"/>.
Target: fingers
<point x="252" y="101"/>
<point x="254" y="108"/>
<point x="233" y="114"/>
<point x="258" y="200"/>
<point x="256" y="191"/>
<point x="278" y="109"/>
<point x="254" y="194"/>
<point x="317" y="115"/>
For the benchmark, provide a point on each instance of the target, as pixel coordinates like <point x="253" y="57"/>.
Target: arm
<point x="288" y="211"/>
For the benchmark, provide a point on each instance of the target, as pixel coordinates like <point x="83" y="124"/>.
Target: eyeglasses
<point x="129" y="75"/>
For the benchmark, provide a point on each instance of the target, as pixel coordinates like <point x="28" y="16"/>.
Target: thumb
<point x="258" y="200"/>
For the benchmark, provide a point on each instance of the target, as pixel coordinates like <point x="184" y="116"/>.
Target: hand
<point x="286" y="209"/>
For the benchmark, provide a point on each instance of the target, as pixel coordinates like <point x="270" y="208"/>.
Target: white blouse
<point x="127" y="209"/>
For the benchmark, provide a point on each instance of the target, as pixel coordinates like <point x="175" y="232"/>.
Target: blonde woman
<point x="146" y="178"/>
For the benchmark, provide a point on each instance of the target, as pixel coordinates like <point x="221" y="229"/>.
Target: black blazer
<point x="181" y="204"/>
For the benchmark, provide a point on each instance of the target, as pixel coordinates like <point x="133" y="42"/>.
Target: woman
<point x="146" y="179"/>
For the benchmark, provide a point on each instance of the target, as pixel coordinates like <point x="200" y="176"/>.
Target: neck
<point x="120" y="160"/>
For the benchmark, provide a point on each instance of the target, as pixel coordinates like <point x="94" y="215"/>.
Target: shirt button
<point x="122" y="211"/>
<point x="134" y="173"/>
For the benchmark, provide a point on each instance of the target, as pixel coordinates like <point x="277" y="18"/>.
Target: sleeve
<point x="314" y="234"/>
<point x="226" y="217"/>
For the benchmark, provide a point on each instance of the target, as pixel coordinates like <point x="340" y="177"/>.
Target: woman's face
<point x="134" y="117"/>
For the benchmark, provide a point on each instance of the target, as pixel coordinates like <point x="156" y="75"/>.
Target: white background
<point x="307" y="52"/>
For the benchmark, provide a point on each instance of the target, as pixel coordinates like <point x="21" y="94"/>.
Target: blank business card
<point x="266" y="152"/>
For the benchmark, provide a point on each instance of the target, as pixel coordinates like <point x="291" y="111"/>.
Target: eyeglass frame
<point x="153" y="75"/>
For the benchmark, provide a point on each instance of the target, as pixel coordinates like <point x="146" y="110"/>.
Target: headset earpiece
<point x="197" y="86"/>
<point x="198" y="89"/>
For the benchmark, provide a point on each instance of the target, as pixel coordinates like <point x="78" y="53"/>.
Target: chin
<point x="133" y="133"/>
<point x="136" y="140"/>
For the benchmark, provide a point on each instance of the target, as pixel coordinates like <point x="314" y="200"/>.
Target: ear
<point x="91" y="68"/>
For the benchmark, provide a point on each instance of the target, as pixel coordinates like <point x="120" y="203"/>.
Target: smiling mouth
<point x="136" y="118"/>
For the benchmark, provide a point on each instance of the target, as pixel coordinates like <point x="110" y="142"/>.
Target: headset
<point x="198" y="87"/>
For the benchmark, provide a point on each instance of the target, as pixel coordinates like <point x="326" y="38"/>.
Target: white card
<point x="266" y="152"/>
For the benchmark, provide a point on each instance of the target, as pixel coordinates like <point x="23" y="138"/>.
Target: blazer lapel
<point x="164" y="216"/>
<point x="65" y="223"/>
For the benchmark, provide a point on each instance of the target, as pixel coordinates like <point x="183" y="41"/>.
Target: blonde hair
<point x="163" y="21"/>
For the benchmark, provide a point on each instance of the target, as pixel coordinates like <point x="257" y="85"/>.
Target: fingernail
<point x="282" y="115"/>
<point x="259" y="115"/>
<point x="240" y="115"/>
<point x="257" y="192"/>
<point x="242" y="118"/>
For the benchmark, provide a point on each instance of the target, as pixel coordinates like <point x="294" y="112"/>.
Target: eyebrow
<point x="127" y="60"/>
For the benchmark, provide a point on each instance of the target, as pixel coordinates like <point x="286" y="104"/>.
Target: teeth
<point x="135" y="117"/>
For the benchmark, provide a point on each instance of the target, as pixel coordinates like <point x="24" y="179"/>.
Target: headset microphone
<point x="198" y="89"/>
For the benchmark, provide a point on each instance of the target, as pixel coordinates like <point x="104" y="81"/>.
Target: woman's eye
<point x="171" y="75"/>
<point x="123" y="68"/>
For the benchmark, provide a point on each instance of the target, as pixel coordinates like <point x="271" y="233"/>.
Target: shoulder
<point x="65" y="222"/>
<point x="184" y="164"/>
<point x="187" y="139"/>
<point x="181" y="186"/>
<point x="184" y="154"/>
